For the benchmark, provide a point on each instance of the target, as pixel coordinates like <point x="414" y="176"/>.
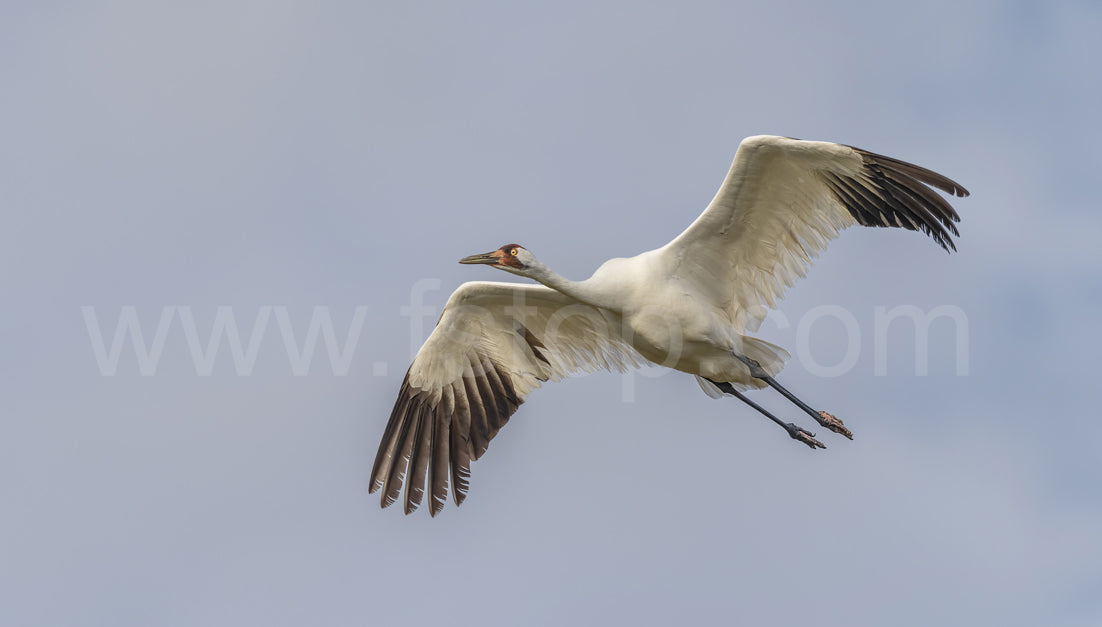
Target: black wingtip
<point x="894" y="193"/>
<point x="430" y="440"/>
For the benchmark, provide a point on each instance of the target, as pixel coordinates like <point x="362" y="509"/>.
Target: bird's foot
<point x="803" y="435"/>
<point x="830" y="421"/>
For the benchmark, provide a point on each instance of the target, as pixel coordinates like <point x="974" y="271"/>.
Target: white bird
<point x="688" y="305"/>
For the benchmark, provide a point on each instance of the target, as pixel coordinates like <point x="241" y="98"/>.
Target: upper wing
<point x="782" y="201"/>
<point x="494" y="343"/>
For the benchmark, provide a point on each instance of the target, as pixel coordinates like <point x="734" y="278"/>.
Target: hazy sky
<point x="270" y="157"/>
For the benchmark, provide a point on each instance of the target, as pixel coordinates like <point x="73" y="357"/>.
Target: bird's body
<point x="669" y="321"/>
<point x="688" y="306"/>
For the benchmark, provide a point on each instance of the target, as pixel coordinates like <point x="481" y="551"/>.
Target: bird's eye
<point x="513" y="252"/>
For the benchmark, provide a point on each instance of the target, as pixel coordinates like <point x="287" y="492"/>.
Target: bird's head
<point x="510" y="258"/>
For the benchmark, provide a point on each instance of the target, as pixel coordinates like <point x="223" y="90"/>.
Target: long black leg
<point x="796" y="433"/>
<point x="823" y="418"/>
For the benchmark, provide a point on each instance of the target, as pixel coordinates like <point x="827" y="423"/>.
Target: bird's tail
<point x="770" y="356"/>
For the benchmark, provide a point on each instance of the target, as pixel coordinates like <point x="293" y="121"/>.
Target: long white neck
<point x="584" y="291"/>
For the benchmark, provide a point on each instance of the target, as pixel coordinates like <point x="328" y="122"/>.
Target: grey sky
<point x="294" y="154"/>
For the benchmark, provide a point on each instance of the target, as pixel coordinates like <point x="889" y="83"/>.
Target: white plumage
<point x="687" y="305"/>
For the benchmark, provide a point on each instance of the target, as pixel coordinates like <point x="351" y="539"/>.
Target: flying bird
<point x="688" y="305"/>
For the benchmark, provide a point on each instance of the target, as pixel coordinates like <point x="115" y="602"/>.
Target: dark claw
<point x="802" y="435"/>
<point x="834" y="424"/>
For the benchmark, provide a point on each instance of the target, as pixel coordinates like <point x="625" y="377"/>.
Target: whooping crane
<point x="687" y="305"/>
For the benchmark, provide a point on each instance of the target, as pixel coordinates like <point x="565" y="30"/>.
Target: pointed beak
<point x="490" y="258"/>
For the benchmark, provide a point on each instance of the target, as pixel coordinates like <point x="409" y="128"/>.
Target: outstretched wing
<point x="494" y="343"/>
<point x="782" y="201"/>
